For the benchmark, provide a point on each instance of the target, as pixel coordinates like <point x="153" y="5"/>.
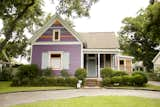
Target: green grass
<point x="147" y="86"/>
<point x="5" y="88"/>
<point x="98" y="101"/>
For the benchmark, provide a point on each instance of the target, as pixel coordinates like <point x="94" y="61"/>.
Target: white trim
<point x="59" y="34"/>
<point x="155" y="58"/>
<point x="31" y="54"/>
<point x="123" y="56"/>
<point x="99" y="76"/>
<point x="55" y="52"/>
<point x="82" y="57"/>
<point x="101" y="51"/>
<point x="56" y="43"/>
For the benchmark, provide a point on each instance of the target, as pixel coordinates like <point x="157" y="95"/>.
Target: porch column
<point x="99" y="75"/>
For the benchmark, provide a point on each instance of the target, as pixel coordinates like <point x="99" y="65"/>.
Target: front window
<point x="55" y="61"/>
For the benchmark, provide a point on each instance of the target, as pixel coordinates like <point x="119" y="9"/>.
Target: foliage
<point x="116" y="80"/>
<point x="138" y="80"/>
<point x="46" y="81"/>
<point x="140" y="35"/>
<point x="119" y="73"/>
<point x="6" y="74"/>
<point x="81" y="74"/>
<point x="127" y="80"/>
<point x="27" y="71"/>
<point x="47" y="72"/>
<point x="106" y="72"/>
<point x="64" y="73"/>
<point x="144" y="76"/>
<point x="106" y="81"/>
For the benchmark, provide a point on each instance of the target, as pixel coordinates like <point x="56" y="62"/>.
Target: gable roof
<point x="156" y="57"/>
<point x="54" y="18"/>
<point x="99" y="40"/>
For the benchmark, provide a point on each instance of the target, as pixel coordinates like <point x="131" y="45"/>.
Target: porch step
<point x="92" y="83"/>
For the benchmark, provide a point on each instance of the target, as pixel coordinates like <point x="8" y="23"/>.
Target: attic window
<point x="56" y="35"/>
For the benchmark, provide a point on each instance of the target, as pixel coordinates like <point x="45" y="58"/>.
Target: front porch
<point x="94" y="62"/>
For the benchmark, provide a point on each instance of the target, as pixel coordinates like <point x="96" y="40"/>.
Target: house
<point x="156" y="62"/>
<point x="58" y="46"/>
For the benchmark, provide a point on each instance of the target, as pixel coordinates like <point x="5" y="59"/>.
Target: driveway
<point x="26" y="97"/>
<point x="154" y="83"/>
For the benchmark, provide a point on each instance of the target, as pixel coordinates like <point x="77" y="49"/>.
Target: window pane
<point x="56" y="63"/>
<point x="56" y="35"/>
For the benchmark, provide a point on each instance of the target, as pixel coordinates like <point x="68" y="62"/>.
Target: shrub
<point x="116" y="80"/>
<point x="144" y="76"/>
<point x="106" y="72"/>
<point x="119" y="73"/>
<point x="138" y="80"/>
<point x="64" y="73"/>
<point x="47" y="72"/>
<point x="6" y="74"/>
<point x="81" y="74"/>
<point x="29" y="71"/>
<point x="127" y="80"/>
<point x="106" y="81"/>
<point x="71" y="81"/>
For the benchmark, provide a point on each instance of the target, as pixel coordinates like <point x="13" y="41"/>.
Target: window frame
<point x="50" y="63"/>
<point x="54" y="31"/>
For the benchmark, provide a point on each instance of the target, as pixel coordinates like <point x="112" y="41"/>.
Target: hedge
<point x="45" y="81"/>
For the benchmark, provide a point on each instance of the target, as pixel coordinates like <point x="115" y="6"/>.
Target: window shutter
<point x="66" y="60"/>
<point x="45" y="59"/>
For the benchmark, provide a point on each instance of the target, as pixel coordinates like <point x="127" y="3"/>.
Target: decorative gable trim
<point x="155" y="58"/>
<point x="37" y="34"/>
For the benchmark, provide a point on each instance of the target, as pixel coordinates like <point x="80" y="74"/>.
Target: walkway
<point x="26" y="97"/>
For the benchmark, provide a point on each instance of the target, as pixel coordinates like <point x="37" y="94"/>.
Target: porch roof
<point x="99" y="40"/>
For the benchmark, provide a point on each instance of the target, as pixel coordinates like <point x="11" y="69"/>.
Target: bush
<point x="64" y="73"/>
<point x="81" y="74"/>
<point x="6" y="74"/>
<point x="138" y="80"/>
<point x="144" y="76"/>
<point x="106" y="81"/>
<point x="71" y="81"/>
<point x="47" y="72"/>
<point x="29" y="71"/>
<point x="106" y="72"/>
<point x="119" y="73"/>
<point x="116" y="80"/>
<point x="127" y="80"/>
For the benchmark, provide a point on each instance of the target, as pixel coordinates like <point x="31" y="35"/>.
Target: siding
<point x="74" y="51"/>
<point x="64" y="36"/>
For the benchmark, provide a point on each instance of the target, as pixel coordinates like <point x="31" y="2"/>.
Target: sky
<point x="105" y="15"/>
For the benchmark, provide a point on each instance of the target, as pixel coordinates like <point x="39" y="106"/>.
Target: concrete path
<point x="26" y="97"/>
<point x="154" y="83"/>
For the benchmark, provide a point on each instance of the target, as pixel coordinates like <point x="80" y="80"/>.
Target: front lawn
<point x="5" y="88"/>
<point x="98" y="101"/>
<point x="147" y="87"/>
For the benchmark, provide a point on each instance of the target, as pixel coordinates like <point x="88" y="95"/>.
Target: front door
<point x="91" y="65"/>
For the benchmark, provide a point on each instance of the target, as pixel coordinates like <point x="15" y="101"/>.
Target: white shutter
<point x="66" y="60"/>
<point x="45" y="61"/>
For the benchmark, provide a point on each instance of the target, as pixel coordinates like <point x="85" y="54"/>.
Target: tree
<point x="140" y="35"/>
<point x="19" y="16"/>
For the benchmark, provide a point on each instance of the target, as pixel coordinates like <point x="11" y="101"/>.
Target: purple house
<point x="58" y="46"/>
